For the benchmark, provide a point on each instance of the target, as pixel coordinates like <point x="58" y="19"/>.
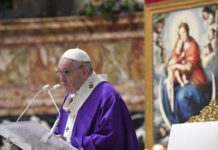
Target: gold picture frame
<point x="152" y="14"/>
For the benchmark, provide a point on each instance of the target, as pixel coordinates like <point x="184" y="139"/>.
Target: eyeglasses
<point x="66" y="72"/>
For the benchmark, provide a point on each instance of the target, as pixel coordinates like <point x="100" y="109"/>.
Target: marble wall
<point x="30" y="50"/>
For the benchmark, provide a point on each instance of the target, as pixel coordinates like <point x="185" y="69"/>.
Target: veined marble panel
<point x="30" y="50"/>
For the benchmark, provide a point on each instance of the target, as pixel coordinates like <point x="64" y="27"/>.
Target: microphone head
<point x="46" y="86"/>
<point x="56" y="86"/>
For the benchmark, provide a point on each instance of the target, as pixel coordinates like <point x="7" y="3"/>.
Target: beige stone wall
<point x="30" y="50"/>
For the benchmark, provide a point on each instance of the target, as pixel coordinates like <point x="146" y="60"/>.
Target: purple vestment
<point x="102" y="123"/>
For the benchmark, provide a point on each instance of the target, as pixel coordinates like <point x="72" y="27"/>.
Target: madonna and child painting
<point x="185" y="58"/>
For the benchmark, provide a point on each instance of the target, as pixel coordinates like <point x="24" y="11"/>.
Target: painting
<point x="181" y="61"/>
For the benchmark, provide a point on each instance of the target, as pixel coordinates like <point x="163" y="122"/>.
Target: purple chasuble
<point x="102" y="123"/>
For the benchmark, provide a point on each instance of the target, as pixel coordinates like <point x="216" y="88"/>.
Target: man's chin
<point x="67" y="89"/>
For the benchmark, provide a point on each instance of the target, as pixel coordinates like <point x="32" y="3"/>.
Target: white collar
<point x="81" y="96"/>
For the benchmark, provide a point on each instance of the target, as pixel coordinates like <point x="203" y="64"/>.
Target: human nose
<point x="62" y="78"/>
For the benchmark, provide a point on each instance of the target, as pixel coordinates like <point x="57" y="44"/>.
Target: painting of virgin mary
<point x="187" y="62"/>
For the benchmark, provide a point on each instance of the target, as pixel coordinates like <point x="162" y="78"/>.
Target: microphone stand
<point x="57" y="121"/>
<point x="32" y="100"/>
<point x="46" y="137"/>
<point x="40" y="91"/>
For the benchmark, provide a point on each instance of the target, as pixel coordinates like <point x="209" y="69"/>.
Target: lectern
<point x="194" y="136"/>
<point x="29" y="135"/>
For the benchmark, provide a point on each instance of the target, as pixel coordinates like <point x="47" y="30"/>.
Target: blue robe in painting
<point x="189" y="100"/>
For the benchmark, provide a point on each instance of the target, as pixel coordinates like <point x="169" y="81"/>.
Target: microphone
<point x="45" y="138"/>
<point x="57" y="121"/>
<point x="37" y="94"/>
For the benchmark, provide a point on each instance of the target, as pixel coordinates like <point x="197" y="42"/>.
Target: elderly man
<point x="93" y="115"/>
